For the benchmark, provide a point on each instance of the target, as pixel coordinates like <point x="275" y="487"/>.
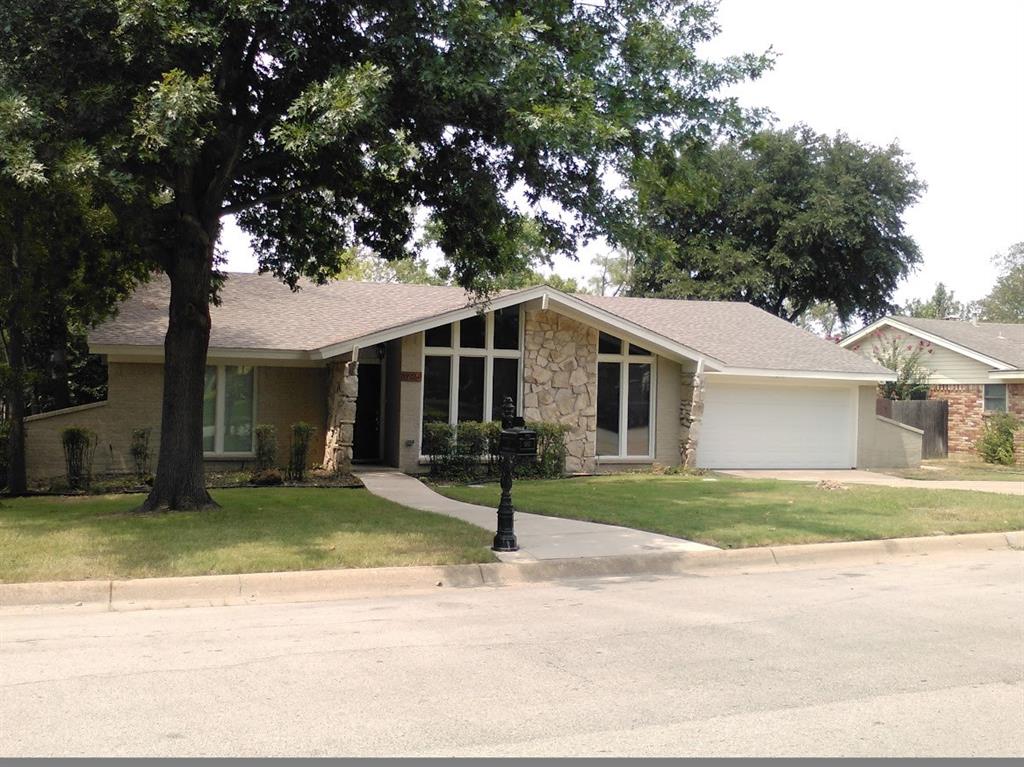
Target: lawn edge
<point x="328" y="585"/>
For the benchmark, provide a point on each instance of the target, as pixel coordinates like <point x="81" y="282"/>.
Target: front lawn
<point x="958" y="469"/>
<point x="733" y="513"/>
<point x="256" y="530"/>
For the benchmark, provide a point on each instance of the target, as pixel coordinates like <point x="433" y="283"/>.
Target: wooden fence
<point x="929" y="415"/>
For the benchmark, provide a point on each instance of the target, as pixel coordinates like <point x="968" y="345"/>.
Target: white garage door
<point x="758" y="426"/>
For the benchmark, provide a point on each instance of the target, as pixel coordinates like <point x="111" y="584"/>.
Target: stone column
<point x="342" y="391"/>
<point x="691" y="413"/>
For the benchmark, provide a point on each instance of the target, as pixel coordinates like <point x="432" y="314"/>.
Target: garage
<point x="777" y="426"/>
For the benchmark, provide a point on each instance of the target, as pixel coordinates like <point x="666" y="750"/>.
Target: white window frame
<point x="489" y="353"/>
<point x="625" y="359"/>
<point x="985" y="398"/>
<point x="218" y="413"/>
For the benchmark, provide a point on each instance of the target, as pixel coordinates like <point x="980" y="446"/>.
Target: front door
<point x="366" y="440"/>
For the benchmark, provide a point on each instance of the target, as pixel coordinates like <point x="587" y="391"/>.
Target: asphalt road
<point x="919" y="658"/>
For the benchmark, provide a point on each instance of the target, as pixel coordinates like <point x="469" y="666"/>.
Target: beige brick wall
<point x="134" y="390"/>
<point x="410" y="408"/>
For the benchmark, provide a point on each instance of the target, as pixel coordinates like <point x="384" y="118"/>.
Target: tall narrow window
<point x="229" y="404"/>
<point x="210" y="410"/>
<point x="505" y="383"/>
<point x="436" y="388"/>
<point x="625" y="399"/>
<point x="471" y="388"/>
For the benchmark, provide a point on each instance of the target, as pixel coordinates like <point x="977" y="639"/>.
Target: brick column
<point x="1018" y="447"/>
<point x="342" y="391"/>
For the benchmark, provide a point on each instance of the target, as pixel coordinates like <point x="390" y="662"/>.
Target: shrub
<point x="439" y="447"/>
<point x="266" y="447"/>
<point x="302" y="435"/>
<point x="551" y="451"/>
<point x="139" y="451"/>
<point x="79" y="448"/>
<point x="996" y="442"/>
<point x="265" y="477"/>
<point x="470" y="450"/>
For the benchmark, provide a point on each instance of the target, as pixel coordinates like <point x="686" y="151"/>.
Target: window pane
<point x="440" y="336"/>
<point x="471" y="388"/>
<point x="506" y="328"/>
<point x="505" y="384"/>
<point x="437" y="372"/>
<point x="634" y="349"/>
<point x="638" y="410"/>
<point x="471" y="332"/>
<point x="608" y="408"/>
<point x="238" y="405"/>
<point x="995" y="397"/>
<point x="607" y="344"/>
<point x="209" y="410"/>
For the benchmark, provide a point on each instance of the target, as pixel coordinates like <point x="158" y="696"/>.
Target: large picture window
<point x="625" y="399"/>
<point x="229" y="398"/>
<point x="470" y="366"/>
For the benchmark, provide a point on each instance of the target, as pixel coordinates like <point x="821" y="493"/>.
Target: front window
<point x="625" y="402"/>
<point x="995" y="398"/>
<point x="470" y="366"/>
<point x="228" y="409"/>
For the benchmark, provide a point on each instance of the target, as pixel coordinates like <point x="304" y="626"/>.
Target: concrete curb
<point x="325" y="585"/>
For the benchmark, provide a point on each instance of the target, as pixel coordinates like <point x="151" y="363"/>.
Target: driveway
<point x="858" y="477"/>
<point x="539" y="537"/>
<point x="900" y="659"/>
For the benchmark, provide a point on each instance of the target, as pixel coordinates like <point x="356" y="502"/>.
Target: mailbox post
<point x="515" y="441"/>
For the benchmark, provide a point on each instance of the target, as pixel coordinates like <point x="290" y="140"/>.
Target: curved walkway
<point x="861" y="477"/>
<point x="539" y="537"/>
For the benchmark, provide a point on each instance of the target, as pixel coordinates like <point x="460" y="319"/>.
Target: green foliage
<point x="266" y="447"/>
<point x="783" y="219"/>
<point x="266" y="477"/>
<point x="941" y="306"/>
<point x="1005" y="303"/>
<point x="614" y="277"/>
<point x="140" y="454"/>
<point x="995" y="445"/>
<point x="302" y="435"/>
<point x="551" y="452"/>
<point x="79" y="448"/>
<point x="903" y="357"/>
<point x="469" y="451"/>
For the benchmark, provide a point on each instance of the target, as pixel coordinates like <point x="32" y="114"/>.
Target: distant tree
<point x="366" y="267"/>
<point x="783" y="220"/>
<point x="1006" y="301"/>
<point x="941" y="306"/>
<point x="613" y="276"/>
<point x="904" y="357"/>
<point x="822" y="318"/>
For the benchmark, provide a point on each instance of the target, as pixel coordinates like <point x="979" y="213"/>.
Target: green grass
<point x="256" y="530"/>
<point x="958" y="469"/>
<point x="745" y="512"/>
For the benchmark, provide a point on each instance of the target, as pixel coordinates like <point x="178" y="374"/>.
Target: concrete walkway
<point x="539" y="537"/>
<point x="855" y="477"/>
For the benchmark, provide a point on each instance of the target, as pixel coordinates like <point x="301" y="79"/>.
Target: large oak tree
<point x="323" y="125"/>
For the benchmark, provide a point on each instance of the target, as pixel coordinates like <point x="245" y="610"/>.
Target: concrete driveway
<point x="858" y="477"/>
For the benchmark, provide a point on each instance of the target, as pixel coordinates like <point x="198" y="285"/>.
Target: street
<point x="907" y="658"/>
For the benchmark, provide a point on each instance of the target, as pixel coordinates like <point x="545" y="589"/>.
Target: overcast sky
<point x="944" y="79"/>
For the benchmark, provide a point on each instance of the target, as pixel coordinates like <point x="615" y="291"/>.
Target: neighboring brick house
<point x="633" y="379"/>
<point x="978" y="367"/>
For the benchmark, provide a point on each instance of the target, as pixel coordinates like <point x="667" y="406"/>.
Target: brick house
<point x="978" y="367"/>
<point x="367" y="364"/>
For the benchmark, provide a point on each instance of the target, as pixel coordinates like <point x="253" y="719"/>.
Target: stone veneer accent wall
<point x="560" y="381"/>
<point x="343" y="389"/>
<point x="691" y="413"/>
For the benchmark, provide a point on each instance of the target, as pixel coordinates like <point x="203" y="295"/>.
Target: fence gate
<point x="929" y="415"/>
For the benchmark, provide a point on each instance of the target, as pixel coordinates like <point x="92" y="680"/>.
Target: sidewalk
<point x="539" y="537"/>
<point x="859" y="477"/>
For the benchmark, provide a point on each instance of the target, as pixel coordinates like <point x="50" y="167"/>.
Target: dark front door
<point x="366" y="441"/>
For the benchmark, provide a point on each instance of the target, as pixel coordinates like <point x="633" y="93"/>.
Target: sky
<point x="944" y="79"/>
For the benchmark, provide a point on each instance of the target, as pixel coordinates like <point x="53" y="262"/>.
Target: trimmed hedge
<point x="469" y="451"/>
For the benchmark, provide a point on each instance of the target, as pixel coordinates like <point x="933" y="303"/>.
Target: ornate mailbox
<point x="515" y="441"/>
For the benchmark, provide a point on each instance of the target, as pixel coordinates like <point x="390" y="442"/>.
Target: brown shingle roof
<point x="259" y="312"/>
<point x="1001" y="341"/>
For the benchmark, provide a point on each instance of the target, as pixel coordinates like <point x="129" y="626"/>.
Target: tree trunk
<point x="17" y="478"/>
<point x="180" y="482"/>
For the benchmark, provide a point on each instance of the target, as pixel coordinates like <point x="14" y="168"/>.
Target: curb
<point x="326" y="585"/>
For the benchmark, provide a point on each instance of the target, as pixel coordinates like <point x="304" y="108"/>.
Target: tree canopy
<point x="783" y="220"/>
<point x="1005" y="303"/>
<point x="941" y="306"/>
<point x="324" y="126"/>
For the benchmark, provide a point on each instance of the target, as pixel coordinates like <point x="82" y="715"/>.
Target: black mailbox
<point x="515" y="438"/>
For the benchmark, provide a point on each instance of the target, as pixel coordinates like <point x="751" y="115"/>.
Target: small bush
<point x="469" y="450"/>
<point x="139" y="451"/>
<point x="551" y="452"/>
<point x="302" y="435"/>
<point x="996" y="442"/>
<point x="266" y="477"/>
<point x="266" y="447"/>
<point x="79" y="448"/>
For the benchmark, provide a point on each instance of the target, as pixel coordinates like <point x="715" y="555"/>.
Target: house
<point x="978" y="367"/>
<point x="636" y="380"/>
